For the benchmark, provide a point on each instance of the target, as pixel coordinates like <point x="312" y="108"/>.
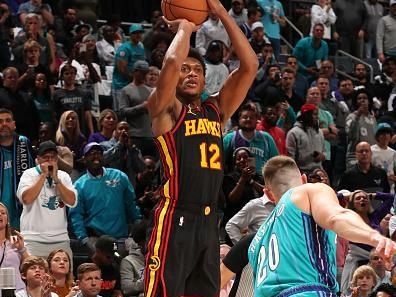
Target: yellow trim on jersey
<point x="164" y="211"/>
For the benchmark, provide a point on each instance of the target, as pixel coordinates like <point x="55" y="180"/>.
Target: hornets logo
<point x="155" y="263"/>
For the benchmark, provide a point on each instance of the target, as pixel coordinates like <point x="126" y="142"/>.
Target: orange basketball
<point x="195" y="11"/>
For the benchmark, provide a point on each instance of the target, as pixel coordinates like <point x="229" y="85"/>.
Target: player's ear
<point x="269" y="194"/>
<point x="304" y="178"/>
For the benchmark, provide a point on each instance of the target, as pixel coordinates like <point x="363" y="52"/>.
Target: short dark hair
<point x="358" y="63"/>
<point x="246" y="107"/>
<point x="386" y="288"/>
<point x="5" y="110"/>
<point x="271" y="66"/>
<point x="66" y="67"/>
<point x="194" y="53"/>
<point x="86" y="267"/>
<point x="343" y="78"/>
<point x="318" y="24"/>
<point x="288" y="70"/>
<point x="252" y="10"/>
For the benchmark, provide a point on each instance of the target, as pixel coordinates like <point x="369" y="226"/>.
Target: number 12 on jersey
<point x="273" y="259"/>
<point x="213" y="153"/>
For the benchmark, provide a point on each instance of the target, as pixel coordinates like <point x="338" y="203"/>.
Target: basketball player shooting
<point x="183" y="249"/>
<point x="294" y="251"/>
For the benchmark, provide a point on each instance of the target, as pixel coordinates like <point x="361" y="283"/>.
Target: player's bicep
<point x="324" y="204"/>
<point x="164" y="95"/>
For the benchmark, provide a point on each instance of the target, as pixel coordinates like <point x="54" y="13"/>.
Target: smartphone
<point x="83" y="48"/>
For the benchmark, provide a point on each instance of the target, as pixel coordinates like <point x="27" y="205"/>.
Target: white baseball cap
<point x="392" y="224"/>
<point x="259" y="25"/>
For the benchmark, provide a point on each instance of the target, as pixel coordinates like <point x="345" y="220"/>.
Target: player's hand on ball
<point x="174" y="25"/>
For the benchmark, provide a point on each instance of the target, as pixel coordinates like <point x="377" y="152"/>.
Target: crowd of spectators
<point x="79" y="169"/>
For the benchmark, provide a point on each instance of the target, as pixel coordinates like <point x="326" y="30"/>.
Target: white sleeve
<point x="240" y="221"/>
<point x="26" y="181"/>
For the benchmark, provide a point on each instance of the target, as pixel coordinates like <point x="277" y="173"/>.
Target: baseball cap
<point x="46" y="146"/>
<point x="383" y="127"/>
<point x="134" y="28"/>
<point x="257" y="25"/>
<point x="392" y="2"/>
<point x="239" y="1"/>
<point x="141" y="65"/>
<point x="214" y="45"/>
<point x="107" y="245"/>
<point x="91" y="146"/>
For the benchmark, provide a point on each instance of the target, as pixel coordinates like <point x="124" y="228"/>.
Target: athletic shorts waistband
<point x="306" y="288"/>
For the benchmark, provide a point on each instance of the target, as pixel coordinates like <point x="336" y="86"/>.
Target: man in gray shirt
<point x="133" y="109"/>
<point x="249" y="218"/>
<point x="386" y="33"/>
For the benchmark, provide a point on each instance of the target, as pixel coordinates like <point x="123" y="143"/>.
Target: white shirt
<point x="385" y="159"/>
<point x="45" y="219"/>
<point x="210" y="30"/>
<point x="251" y="216"/>
<point x="320" y="15"/>
<point x="106" y="51"/>
<point x="215" y="77"/>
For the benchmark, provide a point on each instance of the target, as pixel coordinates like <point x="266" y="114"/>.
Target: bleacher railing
<point x="340" y="53"/>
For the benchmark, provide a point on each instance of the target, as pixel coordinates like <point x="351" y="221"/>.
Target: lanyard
<point x="2" y="257"/>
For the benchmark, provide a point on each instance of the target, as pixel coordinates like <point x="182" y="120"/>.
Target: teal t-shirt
<point x="130" y="53"/>
<point x="7" y="193"/>
<point x="290" y="250"/>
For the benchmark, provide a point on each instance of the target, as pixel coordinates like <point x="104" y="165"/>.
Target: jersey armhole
<point x="179" y="120"/>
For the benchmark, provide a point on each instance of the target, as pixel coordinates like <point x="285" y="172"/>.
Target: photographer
<point x="268" y="92"/>
<point x="44" y="192"/>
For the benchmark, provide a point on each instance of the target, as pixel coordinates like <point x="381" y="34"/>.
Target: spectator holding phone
<point x="13" y="250"/>
<point x="45" y="192"/>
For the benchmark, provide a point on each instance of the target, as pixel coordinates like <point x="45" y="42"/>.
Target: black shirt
<point x="375" y="180"/>
<point x="111" y="280"/>
<point x="236" y="260"/>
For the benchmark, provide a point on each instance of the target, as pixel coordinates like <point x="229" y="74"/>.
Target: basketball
<point x="195" y="11"/>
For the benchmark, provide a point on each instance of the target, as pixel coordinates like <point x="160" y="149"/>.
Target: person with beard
<point x="305" y="141"/>
<point x="268" y="123"/>
<point x="360" y="73"/>
<point x="16" y="156"/>
<point x="261" y="144"/>
<point x="216" y="71"/>
<point x="359" y="125"/>
<point x="238" y="12"/>
<point x="104" y="195"/>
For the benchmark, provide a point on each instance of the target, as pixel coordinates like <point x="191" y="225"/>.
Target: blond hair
<point x="60" y="137"/>
<point x="361" y="271"/>
<point x="281" y="173"/>
<point x="7" y="228"/>
<point x="103" y="114"/>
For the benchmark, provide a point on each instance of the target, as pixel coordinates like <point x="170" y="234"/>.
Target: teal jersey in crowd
<point x="7" y="192"/>
<point x="293" y="256"/>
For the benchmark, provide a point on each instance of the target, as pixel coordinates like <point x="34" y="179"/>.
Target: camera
<point x="277" y="76"/>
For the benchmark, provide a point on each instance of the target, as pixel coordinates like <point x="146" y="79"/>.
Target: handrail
<point x="289" y="45"/>
<point x="360" y="61"/>
<point x="294" y="27"/>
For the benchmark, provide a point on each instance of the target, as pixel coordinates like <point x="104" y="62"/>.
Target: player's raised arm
<point x="328" y="214"/>
<point x="238" y="83"/>
<point x="164" y="96"/>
